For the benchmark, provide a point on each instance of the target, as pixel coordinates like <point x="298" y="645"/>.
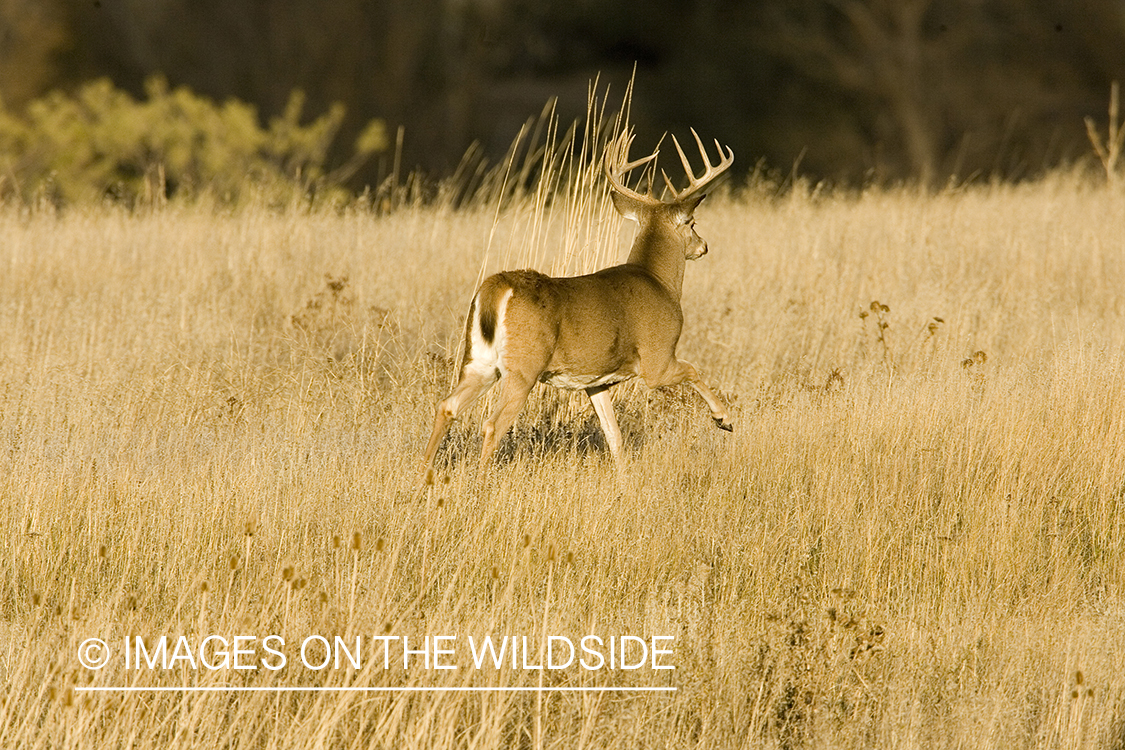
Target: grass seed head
<point x="835" y="380"/>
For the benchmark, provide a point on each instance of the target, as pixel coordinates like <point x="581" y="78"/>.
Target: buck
<point x="594" y="331"/>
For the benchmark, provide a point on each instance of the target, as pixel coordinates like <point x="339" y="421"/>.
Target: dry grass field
<point x="211" y="422"/>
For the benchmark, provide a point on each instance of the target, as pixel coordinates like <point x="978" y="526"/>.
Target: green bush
<point x="100" y="141"/>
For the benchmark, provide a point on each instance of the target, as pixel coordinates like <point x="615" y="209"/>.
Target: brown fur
<point x="468" y="355"/>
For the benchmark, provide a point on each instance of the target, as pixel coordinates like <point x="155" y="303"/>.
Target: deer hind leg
<point x="474" y="382"/>
<point x="603" y="407"/>
<point x="514" y="390"/>
<point x="681" y="371"/>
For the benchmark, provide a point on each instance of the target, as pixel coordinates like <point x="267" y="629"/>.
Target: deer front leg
<point x="603" y="407"/>
<point x="681" y="371"/>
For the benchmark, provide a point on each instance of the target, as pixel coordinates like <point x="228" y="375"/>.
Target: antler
<point x="710" y="173"/>
<point x="616" y="166"/>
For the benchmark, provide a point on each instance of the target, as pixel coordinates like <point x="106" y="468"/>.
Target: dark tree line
<point x="855" y="89"/>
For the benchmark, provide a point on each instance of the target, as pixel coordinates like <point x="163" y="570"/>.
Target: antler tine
<point x="668" y="182"/>
<point x="615" y="172"/>
<point x="710" y="171"/>
<point x="684" y="160"/>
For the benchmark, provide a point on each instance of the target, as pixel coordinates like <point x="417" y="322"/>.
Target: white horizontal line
<point x="283" y="689"/>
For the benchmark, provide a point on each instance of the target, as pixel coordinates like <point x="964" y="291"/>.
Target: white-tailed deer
<point x="589" y="332"/>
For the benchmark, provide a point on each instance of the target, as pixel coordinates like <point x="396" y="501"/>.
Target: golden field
<point x="211" y="422"/>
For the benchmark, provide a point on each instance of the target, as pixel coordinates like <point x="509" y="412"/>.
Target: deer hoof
<point x="724" y="423"/>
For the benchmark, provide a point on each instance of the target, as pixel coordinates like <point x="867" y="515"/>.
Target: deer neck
<point x="660" y="257"/>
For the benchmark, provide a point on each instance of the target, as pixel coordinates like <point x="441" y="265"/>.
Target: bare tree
<point x="884" y="51"/>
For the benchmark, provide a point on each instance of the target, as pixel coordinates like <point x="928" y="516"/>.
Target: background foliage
<point x="100" y="141"/>
<point x="857" y="90"/>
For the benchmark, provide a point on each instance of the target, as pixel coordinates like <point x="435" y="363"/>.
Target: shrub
<point x="100" y="141"/>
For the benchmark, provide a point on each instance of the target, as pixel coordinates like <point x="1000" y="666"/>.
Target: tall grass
<point x="210" y="423"/>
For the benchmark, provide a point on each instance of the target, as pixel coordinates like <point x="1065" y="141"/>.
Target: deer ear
<point x="686" y="209"/>
<point x="626" y="205"/>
